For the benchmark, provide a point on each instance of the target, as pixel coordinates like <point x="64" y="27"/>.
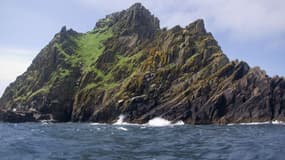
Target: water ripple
<point x="97" y="141"/>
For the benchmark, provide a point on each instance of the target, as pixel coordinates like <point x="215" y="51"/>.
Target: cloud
<point x="107" y="6"/>
<point x="242" y="18"/>
<point x="13" y="62"/>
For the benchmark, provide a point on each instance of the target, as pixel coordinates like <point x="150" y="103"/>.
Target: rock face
<point x="128" y="65"/>
<point x="13" y="117"/>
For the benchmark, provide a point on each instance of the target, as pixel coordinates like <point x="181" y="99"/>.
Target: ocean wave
<point x="122" y="128"/>
<point x="259" y="123"/>
<point x="278" y="122"/>
<point x="161" y="122"/>
<point x="155" y="122"/>
<point x="120" y="121"/>
<point x="97" y="124"/>
<point x="158" y="121"/>
<point x="45" y="122"/>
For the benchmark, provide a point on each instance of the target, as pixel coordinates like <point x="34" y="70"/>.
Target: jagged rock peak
<point x="137" y="6"/>
<point x="63" y="29"/>
<point x="136" y="19"/>
<point x="138" y="9"/>
<point x="64" y="32"/>
<point x="197" y="26"/>
<point x="140" y="18"/>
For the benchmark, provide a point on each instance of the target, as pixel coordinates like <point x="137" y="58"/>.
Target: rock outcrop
<point x="128" y="65"/>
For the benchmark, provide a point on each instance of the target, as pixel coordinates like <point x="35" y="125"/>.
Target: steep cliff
<point x="128" y="65"/>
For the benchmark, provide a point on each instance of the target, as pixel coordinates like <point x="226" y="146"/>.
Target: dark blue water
<point x="85" y="141"/>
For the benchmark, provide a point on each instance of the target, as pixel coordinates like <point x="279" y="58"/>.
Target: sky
<point x="248" y="30"/>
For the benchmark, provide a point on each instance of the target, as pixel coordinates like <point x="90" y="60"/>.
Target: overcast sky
<point x="249" y="30"/>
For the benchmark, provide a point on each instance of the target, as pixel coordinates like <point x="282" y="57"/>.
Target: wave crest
<point x="161" y="122"/>
<point x="259" y="123"/>
<point x="155" y="122"/>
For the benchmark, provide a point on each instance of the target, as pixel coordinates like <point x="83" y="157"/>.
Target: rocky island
<point x="127" y="65"/>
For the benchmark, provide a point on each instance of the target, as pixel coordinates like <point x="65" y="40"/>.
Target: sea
<point x="157" y="140"/>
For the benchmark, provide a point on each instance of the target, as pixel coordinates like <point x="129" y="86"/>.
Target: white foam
<point x="155" y="122"/>
<point x="45" y="122"/>
<point x="258" y="123"/>
<point x="179" y="123"/>
<point x="278" y="122"/>
<point x="160" y="122"/>
<point x="122" y="128"/>
<point x="120" y="121"/>
<point x="255" y="123"/>
<point x="97" y="124"/>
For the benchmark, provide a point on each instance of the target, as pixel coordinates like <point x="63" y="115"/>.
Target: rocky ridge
<point x="128" y="66"/>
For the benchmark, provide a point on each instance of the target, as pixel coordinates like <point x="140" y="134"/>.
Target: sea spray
<point x="158" y="122"/>
<point x="161" y="122"/>
<point x="155" y="122"/>
<point x="179" y="123"/>
<point x="120" y="121"/>
<point x="278" y="122"/>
